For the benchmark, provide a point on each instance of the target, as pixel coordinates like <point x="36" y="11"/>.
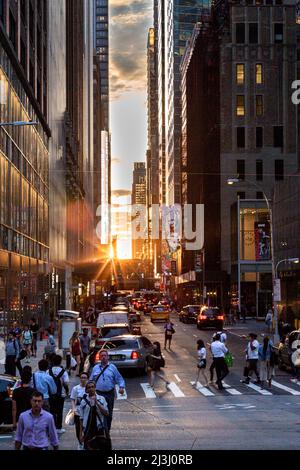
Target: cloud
<point x="128" y="40"/>
<point x="121" y="192"/>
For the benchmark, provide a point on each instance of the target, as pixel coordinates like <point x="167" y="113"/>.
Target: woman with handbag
<point x="169" y="331"/>
<point x="201" y="365"/>
<point x="93" y="429"/>
<point x="156" y="361"/>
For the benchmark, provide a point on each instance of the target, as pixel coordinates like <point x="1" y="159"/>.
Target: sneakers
<point x="167" y="385"/>
<point x="60" y="431"/>
<point x="80" y="447"/>
<point x="257" y="382"/>
<point x="245" y="381"/>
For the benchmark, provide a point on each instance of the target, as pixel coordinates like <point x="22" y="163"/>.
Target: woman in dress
<point x="155" y="361"/>
<point x="75" y="348"/>
<point x="265" y="358"/>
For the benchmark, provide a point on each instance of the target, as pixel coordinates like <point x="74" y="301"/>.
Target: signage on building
<point x="199" y="262"/>
<point x="276" y="290"/>
<point x="173" y="267"/>
<point x="262" y="241"/>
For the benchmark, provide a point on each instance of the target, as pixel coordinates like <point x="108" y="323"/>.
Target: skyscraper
<point x="101" y="44"/>
<point x="138" y="197"/>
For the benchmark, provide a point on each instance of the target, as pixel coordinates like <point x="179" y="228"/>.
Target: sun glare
<point x="124" y="250"/>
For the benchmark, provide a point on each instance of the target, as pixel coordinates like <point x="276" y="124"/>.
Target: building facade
<point x="139" y="214"/>
<point x="24" y="159"/>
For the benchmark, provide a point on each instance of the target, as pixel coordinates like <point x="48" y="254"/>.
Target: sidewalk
<point x="250" y="326"/>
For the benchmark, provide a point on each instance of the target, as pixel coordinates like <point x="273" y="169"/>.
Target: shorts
<point x="202" y="364"/>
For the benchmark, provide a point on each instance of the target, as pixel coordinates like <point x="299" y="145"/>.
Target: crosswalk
<point x="183" y="388"/>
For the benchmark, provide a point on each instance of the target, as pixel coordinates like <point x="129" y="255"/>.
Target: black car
<point x="7" y="383"/>
<point x="189" y="313"/>
<point x="286" y="349"/>
<point x="210" y="317"/>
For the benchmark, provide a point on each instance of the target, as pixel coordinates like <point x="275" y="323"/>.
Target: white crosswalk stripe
<point x="175" y="390"/>
<point x="285" y="388"/>
<point x="205" y="391"/>
<point x="230" y="390"/>
<point x="258" y="389"/>
<point x="149" y="392"/>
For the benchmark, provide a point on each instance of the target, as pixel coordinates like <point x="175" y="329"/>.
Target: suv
<point x="189" y="313"/>
<point x="210" y="316"/>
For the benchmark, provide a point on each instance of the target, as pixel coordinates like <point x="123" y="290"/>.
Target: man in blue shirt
<point x="12" y="351"/>
<point x="106" y="376"/>
<point x="44" y="383"/>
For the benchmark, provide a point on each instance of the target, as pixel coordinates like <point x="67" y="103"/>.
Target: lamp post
<point x="232" y="181"/>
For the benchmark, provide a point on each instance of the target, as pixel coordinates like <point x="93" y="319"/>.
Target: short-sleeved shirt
<point x="201" y="353"/>
<point x="76" y="394"/>
<point x="22" y="396"/>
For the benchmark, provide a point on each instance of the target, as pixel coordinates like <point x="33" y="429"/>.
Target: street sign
<point x="276" y="290"/>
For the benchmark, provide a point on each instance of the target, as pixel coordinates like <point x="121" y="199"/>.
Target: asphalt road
<point x="240" y="417"/>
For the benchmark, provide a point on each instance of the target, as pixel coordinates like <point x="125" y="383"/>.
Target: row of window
<point x="17" y="243"/>
<point x="240" y="74"/>
<point x="278" y="169"/>
<point x="248" y="33"/>
<point x="278" y="140"/>
<point x="241" y="107"/>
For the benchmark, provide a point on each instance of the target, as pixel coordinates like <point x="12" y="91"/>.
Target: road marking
<point x="6" y="437"/>
<point x="195" y="336"/>
<point x="149" y="392"/>
<point x="177" y="378"/>
<point x="230" y="390"/>
<point x="295" y="381"/>
<point x="165" y="406"/>
<point x="285" y="388"/>
<point x="119" y="396"/>
<point x="205" y="391"/>
<point x="175" y="390"/>
<point x="258" y="389"/>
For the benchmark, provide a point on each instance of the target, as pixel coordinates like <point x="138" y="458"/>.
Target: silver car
<point x="125" y="352"/>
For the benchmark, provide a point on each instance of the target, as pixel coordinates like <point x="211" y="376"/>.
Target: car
<point x="159" y="313"/>
<point x="120" y="308"/>
<point x="7" y="383"/>
<point x="148" y="307"/>
<point x="134" y="316"/>
<point x="124" y="351"/>
<point x="189" y="313"/>
<point x="285" y="349"/>
<point x="210" y="317"/>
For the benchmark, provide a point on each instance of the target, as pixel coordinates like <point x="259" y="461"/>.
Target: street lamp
<point x="19" y="123"/>
<point x="232" y="181"/>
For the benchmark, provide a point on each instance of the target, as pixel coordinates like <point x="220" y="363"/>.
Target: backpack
<point x="57" y="381"/>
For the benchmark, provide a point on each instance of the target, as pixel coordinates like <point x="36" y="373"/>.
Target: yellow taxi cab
<point x="159" y="313"/>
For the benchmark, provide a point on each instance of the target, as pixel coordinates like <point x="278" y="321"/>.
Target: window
<point x="240" y="33"/>
<point x="259" y="137"/>
<point x="258" y="74"/>
<point x="259" y="170"/>
<point x="279" y="170"/>
<point x="240" y="74"/>
<point x="278" y="136"/>
<point x="240" y="169"/>
<point x="259" y="195"/>
<point x="259" y="107"/>
<point x="240" y="137"/>
<point x="253" y="33"/>
<point x="240" y="105"/>
<point x="241" y="194"/>
<point x="278" y="33"/>
<point x="12" y="29"/>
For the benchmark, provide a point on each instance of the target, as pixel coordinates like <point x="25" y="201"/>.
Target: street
<point x="241" y="417"/>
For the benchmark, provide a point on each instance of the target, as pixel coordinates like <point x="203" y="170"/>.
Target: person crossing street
<point x="106" y="376"/>
<point x="218" y="350"/>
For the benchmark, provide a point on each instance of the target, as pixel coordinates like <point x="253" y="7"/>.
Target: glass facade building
<point x="101" y="44"/>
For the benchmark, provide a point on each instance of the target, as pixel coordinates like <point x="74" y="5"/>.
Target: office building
<point x="139" y="214"/>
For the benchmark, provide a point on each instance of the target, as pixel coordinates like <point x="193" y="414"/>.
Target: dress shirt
<point x="36" y="431"/>
<point x="110" y="377"/>
<point x="44" y="383"/>
<point x="85" y="408"/>
<point x="218" y="349"/>
<point x="12" y="347"/>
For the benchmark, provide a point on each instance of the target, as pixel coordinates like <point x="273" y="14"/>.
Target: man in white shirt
<point x="61" y="379"/>
<point x="218" y="350"/>
<point x="252" y="359"/>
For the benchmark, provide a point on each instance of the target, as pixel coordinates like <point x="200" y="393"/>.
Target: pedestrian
<point x="17" y="330"/>
<point x="223" y="336"/>
<point x="27" y="338"/>
<point x="218" y="350"/>
<point x="85" y="347"/>
<point x="106" y="376"/>
<point x="251" y="359"/>
<point x="21" y="398"/>
<point x="75" y="348"/>
<point x="76" y="396"/>
<point x="93" y="427"/>
<point x="61" y="379"/>
<point x="12" y="351"/>
<point x="169" y="331"/>
<point x="44" y="383"/>
<point x="265" y="355"/>
<point x="34" y="328"/>
<point x="201" y="364"/>
<point x="36" y="428"/>
<point x="295" y="359"/>
<point x="269" y="319"/>
<point x="50" y="347"/>
<point x="154" y="363"/>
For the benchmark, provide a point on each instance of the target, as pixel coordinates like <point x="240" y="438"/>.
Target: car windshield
<point x="211" y="311"/>
<point x="194" y="309"/>
<point x="109" y="332"/>
<point x="159" y="309"/>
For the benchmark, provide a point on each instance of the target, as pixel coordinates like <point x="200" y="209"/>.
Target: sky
<point x="129" y="23"/>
